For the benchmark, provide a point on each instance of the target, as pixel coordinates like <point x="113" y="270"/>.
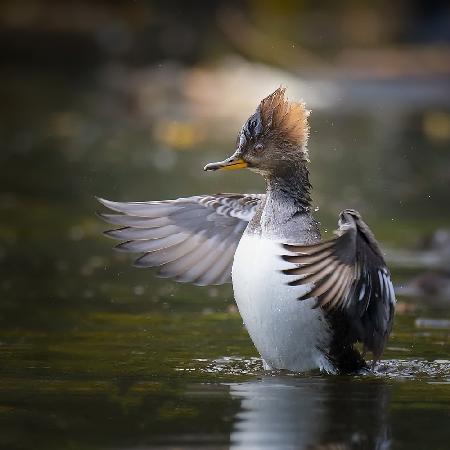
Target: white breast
<point x="288" y="333"/>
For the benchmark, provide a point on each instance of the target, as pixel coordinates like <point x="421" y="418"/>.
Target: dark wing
<point x="348" y="273"/>
<point x="190" y="239"/>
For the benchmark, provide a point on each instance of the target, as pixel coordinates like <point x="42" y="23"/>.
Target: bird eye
<point x="259" y="147"/>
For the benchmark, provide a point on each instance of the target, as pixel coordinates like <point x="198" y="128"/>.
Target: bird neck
<point x="289" y="185"/>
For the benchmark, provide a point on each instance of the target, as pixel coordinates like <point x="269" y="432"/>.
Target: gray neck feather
<point x="285" y="213"/>
<point x="289" y="185"/>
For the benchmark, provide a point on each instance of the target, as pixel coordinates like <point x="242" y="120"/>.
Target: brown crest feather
<point x="289" y="119"/>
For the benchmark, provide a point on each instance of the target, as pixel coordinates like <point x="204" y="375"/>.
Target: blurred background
<point x="128" y="100"/>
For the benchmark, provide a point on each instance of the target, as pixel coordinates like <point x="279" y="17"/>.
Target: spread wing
<point x="190" y="239"/>
<point x="348" y="273"/>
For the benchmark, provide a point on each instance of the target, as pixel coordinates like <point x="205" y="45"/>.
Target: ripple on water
<point x="437" y="371"/>
<point x="235" y="365"/>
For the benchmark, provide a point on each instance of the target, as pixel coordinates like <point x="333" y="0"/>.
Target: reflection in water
<point x="314" y="413"/>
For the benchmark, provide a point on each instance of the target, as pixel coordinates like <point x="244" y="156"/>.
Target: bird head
<point x="275" y="136"/>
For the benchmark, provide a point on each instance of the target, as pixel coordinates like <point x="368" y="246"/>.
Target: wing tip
<point x="122" y="247"/>
<point x="289" y="258"/>
<point x="102" y="200"/>
<point x="104" y="217"/>
<point x="114" y="233"/>
<point x="139" y="262"/>
<point x="292" y="271"/>
<point x="110" y="204"/>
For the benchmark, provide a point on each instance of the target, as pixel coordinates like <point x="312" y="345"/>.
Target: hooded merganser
<point x="342" y="291"/>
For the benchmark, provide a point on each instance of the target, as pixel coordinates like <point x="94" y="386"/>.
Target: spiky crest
<point x="286" y="119"/>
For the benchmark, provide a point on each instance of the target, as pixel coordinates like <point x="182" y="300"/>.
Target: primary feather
<point x="190" y="239"/>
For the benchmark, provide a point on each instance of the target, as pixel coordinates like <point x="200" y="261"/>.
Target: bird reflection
<point x="311" y="413"/>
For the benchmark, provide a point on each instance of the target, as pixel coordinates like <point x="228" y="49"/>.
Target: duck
<point x="307" y="303"/>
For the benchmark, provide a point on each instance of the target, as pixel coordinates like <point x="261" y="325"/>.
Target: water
<point x="95" y="354"/>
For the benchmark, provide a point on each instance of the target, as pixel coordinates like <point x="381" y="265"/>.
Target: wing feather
<point x="134" y="221"/>
<point x="151" y="245"/>
<point x="129" y="233"/>
<point x="143" y="209"/>
<point x="159" y="256"/>
<point x="316" y="277"/>
<point x="311" y="268"/>
<point x="191" y="239"/>
<point x="349" y="274"/>
<point x="223" y="266"/>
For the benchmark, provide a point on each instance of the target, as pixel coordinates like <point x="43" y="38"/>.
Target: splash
<point x="437" y="371"/>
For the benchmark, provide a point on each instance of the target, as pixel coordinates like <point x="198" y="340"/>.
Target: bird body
<point x="304" y="301"/>
<point x="287" y="333"/>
